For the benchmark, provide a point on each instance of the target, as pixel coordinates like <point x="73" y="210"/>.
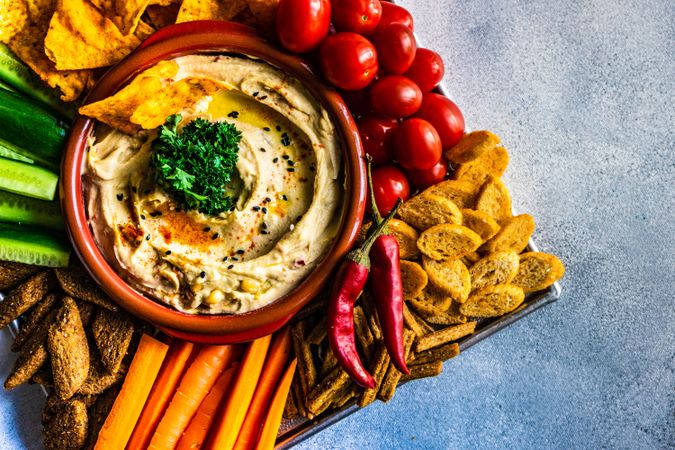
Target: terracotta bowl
<point x="210" y="37"/>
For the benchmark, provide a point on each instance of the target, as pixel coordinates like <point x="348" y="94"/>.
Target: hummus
<point x="288" y="192"/>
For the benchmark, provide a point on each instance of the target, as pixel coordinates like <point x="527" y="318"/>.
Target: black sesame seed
<point x="215" y="236"/>
<point x="264" y="225"/>
<point x="233" y="208"/>
<point x="290" y="169"/>
<point x="283" y="197"/>
<point x="155" y="213"/>
<point x="266" y="128"/>
<point x="206" y="229"/>
<point x="230" y="266"/>
<point x="225" y="259"/>
<point x="202" y="274"/>
<point x="264" y="210"/>
<point x="255" y="94"/>
<point x="167" y="253"/>
<point x="291" y="163"/>
<point x="142" y="216"/>
<point x="234" y="258"/>
<point x="312" y="168"/>
<point x="240" y="252"/>
<point x="286" y="157"/>
<point x="147" y="238"/>
<point x="262" y="150"/>
<point x="134" y="189"/>
<point x="263" y="97"/>
<point x="275" y="160"/>
<point x="233" y="114"/>
<point x="278" y="128"/>
<point x="267" y="199"/>
<point x="256" y="208"/>
<point x="264" y="232"/>
<point x="120" y="197"/>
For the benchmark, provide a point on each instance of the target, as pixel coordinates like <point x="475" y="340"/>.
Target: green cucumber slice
<point x="19" y="209"/>
<point x="34" y="132"/>
<point x="30" y="245"/>
<point x="9" y="151"/>
<point x="25" y="179"/>
<point x="16" y="74"/>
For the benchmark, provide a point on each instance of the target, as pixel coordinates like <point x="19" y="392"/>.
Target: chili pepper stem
<point x="374" y="210"/>
<point x="360" y="255"/>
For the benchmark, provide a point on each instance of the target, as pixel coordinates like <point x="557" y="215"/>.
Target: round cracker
<point x="448" y="241"/>
<point x="537" y="271"/>
<point x="472" y="146"/>
<point x="493" y="301"/>
<point x="495" y="268"/>
<point x="450" y="276"/>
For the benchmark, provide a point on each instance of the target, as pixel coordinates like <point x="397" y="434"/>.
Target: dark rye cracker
<point x="99" y="379"/>
<point x="32" y="356"/>
<point x="11" y="273"/>
<point x="442" y="353"/>
<point x="112" y="333"/>
<point x="67" y="430"/>
<point x="69" y="350"/>
<point x="32" y="319"/>
<point x="21" y="298"/>
<point x="77" y="283"/>
<point x="417" y="371"/>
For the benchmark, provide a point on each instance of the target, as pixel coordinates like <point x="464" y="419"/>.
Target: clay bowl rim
<point x="208" y="37"/>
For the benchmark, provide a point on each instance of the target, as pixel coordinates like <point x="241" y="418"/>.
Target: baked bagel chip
<point x="436" y="316"/>
<point x="461" y="193"/>
<point x="426" y="210"/>
<point x="480" y="222"/>
<point x="448" y="241"/>
<point x="472" y="146"/>
<point x="493" y="301"/>
<point x="491" y="162"/>
<point x="494" y="199"/>
<point x="450" y="276"/>
<point x="495" y="268"/>
<point x="439" y="299"/>
<point x="538" y="271"/>
<point x="470" y="259"/>
<point x="414" y="279"/>
<point x="513" y="236"/>
<point x="407" y="238"/>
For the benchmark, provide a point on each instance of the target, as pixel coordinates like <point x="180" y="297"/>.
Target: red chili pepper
<point x="388" y="288"/>
<point x="348" y="284"/>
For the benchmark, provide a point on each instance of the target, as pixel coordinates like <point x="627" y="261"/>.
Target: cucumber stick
<point x="34" y="132"/>
<point x="20" y="77"/>
<point x="6" y="87"/>
<point x="28" y="180"/>
<point x="30" y="245"/>
<point x="19" y="209"/>
<point x="10" y="151"/>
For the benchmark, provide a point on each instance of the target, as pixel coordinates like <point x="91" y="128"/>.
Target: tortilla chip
<point x="13" y="17"/>
<point x="92" y="39"/>
<point x="129" y="12"/>
<point x="209" y="10"/>
<point x="116" y="110"/>
<point x="162" y="16"/>
<point x="173" y="98"/>
<point x="28" y="45"/>
<point x="144" y="30"/>
<point x="265" y="12"/>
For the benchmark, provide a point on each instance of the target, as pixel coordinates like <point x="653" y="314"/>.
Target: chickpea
<point x="216" y="296"/>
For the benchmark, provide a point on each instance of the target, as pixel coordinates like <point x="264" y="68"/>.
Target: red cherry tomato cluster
<point x="373" y="59"/>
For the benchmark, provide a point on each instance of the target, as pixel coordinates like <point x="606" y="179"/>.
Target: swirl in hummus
<point x="288" y="190"/>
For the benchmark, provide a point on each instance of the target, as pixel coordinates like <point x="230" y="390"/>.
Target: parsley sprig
<point x="196" y="164"/>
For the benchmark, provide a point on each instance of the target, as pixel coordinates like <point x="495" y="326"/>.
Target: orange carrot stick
<point x="226" y="427"/>
<point x="198" y="380"/>
<point x="129" y="402"/>
<point x="195" y="434"/>
<point x="277" y="357"/>
<point x="270" y="429"/>
<point x="165" y="386"/>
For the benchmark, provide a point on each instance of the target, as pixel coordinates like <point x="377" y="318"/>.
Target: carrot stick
<point x="195" y="434"/>
<point x="129" y="402"/>
<point x="270" y="429"/>
<point x="170" y="374"/>
<point x="272" y="370"/>
<point x="198" y="380"/>
<point x="229" y="421"/>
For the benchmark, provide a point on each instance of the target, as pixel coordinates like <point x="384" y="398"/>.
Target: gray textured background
<point x="581" y="94"/>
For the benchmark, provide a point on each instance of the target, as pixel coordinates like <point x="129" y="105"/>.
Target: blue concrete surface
<point x="581" y="93"/>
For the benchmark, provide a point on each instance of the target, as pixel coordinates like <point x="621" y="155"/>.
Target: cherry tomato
<point x="389" y="183"/>
<point x="348" y="60"/>
<point x="359" y="16"/>
<point x="302" y="24"/>
<point x="395" y="96"/>
<point x="418" y="146"/>
<point x="422" y="179"/>
<point x="377" y="135"/>
<point x="358" y="102"/>
<point x="427" y="69"/>
<point x="396" y="47"/>
<point x="445" y="116"/>
<point x="395" y="14"/>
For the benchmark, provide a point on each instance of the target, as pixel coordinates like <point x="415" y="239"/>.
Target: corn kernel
<point x="250" y="286"/>
<point x="216" y="296"/>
